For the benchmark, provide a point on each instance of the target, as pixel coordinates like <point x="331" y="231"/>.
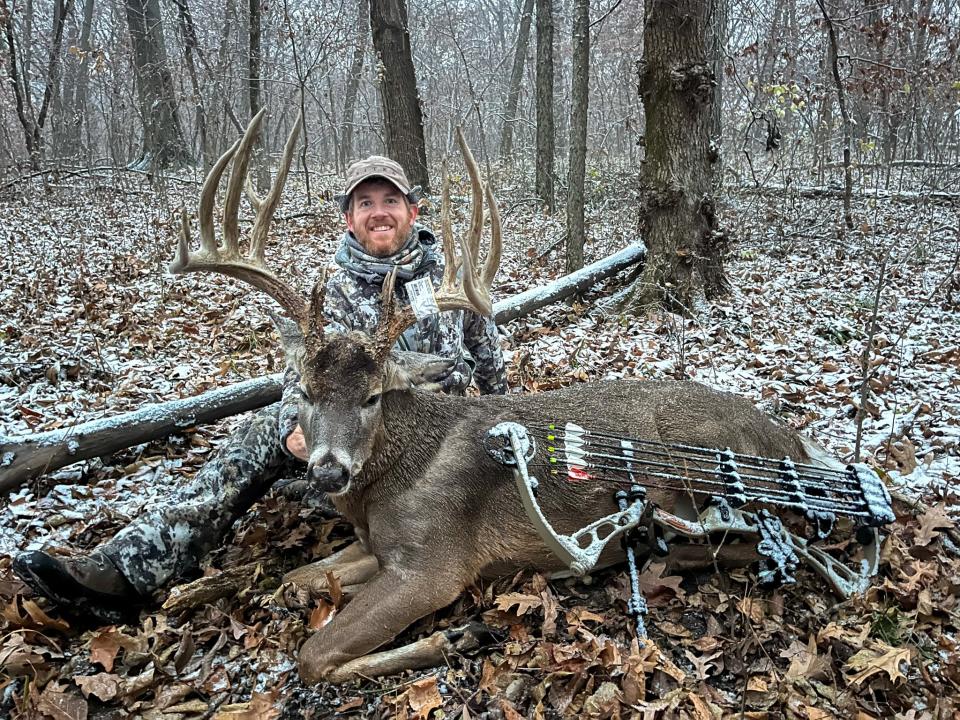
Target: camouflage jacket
<point x="353" y="303"/>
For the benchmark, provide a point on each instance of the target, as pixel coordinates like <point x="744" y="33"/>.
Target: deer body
<point x="437" y="512"/>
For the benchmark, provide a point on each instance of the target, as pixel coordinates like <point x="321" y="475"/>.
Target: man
<point x="380" y="211"/>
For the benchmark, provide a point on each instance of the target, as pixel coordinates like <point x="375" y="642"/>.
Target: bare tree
<point x="74" y="87"/>
<point x="402" y="114"/>
<point x="545" y="131"/>
<point x="516" y="75"/>
<point x="579" y="101"/>
<point x="164" y="144"/>
<point x="685" y="248"/>
<point x="31" y="119"/>
<point x="832" y="53"/>
<point x="353" y="81"/>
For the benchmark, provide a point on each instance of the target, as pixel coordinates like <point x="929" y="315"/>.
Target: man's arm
<point x="481" y="339"/>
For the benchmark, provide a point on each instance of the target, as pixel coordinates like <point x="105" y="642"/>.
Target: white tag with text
<point x="422" y="300"/>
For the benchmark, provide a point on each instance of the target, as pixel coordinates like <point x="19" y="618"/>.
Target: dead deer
<point x="433" y="510"/>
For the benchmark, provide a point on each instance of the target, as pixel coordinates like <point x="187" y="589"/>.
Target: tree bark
<point x="516" y="76"/>
<point x="402" y="114"/>
<point x="22" y="458"/>
<point x="579" y="101"/>
<point x="163" y="143"/>
<point x="191" y="48"/>
<point x="685" y="260"/>
<point x="545" y="131"/>
<point x="353" y="82"/>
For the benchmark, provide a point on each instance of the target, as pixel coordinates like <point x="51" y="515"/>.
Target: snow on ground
<point x="91" y="325"/>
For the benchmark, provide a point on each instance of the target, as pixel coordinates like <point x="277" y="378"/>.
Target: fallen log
<point x="902" y="196"/>
<point x="22" y="458"/>
<point x="26" y="457"/>
<point x="526" y="302"/>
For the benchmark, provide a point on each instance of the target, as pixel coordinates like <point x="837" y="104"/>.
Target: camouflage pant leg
<point x="170" y="540"/>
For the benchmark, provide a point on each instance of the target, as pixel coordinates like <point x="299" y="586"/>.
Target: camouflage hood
<point x="415" y="258"/>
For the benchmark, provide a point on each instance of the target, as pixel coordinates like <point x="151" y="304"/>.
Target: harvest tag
<point x="420" y="294"/>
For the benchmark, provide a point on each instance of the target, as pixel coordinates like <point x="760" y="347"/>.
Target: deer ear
<point x="405" y="370"/>
<point x="291" y="337"/>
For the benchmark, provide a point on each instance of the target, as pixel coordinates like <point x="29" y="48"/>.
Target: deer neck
<point x="415" y="424"/>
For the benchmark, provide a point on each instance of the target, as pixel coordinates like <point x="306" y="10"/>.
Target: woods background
<point x="144" y="84"/>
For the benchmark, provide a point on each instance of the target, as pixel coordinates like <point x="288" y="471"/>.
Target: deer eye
<point x="372" y="400"/>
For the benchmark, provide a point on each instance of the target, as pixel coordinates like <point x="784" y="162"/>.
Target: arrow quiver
<point x="728" y="482"/>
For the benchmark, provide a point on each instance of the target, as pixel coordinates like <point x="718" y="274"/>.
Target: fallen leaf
<point x="869" y="662"/>
<point x="522" y="601"/>
<point x="931" y="522"/>
<point x="103" y="686"/>
<point x="424" y="696"/>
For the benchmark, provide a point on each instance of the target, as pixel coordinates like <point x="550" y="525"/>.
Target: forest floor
<point x="91" y="326"/>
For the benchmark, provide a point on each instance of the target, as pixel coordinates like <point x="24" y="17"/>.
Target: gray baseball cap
<point x="375" y="166"/>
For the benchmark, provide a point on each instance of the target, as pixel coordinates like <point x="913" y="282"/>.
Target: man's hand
<point x="297" y="444"/>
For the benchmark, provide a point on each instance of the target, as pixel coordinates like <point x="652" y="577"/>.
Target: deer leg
<point x="351" y="553"/>
<point x="428" y="652"/>
<point x="384" y="607"/>
<point x="313" y="577"/>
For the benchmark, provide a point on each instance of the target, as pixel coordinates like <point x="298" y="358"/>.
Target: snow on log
<point x="526" y="302"/>
<point x="22" y="458"/>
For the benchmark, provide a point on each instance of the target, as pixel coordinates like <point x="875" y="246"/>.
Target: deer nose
<point x="329" y="476"/>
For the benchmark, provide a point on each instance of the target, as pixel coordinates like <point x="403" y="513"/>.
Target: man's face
<point x="380" y="217"/>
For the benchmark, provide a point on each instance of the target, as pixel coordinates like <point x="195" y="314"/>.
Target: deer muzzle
<point x="329" y="475"/>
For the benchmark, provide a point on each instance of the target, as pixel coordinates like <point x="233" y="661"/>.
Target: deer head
<point x="343" y="377"/>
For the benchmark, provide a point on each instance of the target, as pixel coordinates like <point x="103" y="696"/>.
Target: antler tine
<point x="473" y="290"/>
<point x="492" y="264"/>
<point x="268" y="205"/>
<point x="451" y="263"/>
<point x="314" y="333"/>
<point x="238" y="174"/>
<point x="476" y="188"/>
<point x="226" y="259"/>
<point x="252" y="197"/>
<point x="393" y="321"/>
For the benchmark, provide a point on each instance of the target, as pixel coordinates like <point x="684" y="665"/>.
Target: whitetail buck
<point x="438" y="500"/>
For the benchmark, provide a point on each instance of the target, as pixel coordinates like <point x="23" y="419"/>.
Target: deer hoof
<point x="315" y="663"/>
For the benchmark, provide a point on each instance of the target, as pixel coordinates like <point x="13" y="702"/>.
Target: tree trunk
<point x="685" y="258"/>
<point x="163" y="144"/>
<point x="76" y="82"/>
<point x="832" y="52"/>
<point x="516" y="76"/>
<point x="191" y="49"/>
<point x="31" y="123"/>
<point x="353" y="82"/>
<point x="545" y="132"/>
<point x="579" y="101"/>
<point x="718" y="29"/>
<point x="402" y="114"/>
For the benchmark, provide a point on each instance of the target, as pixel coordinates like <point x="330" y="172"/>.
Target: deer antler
<point x="227" y="259"/>
<point x="466" y="290"/>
